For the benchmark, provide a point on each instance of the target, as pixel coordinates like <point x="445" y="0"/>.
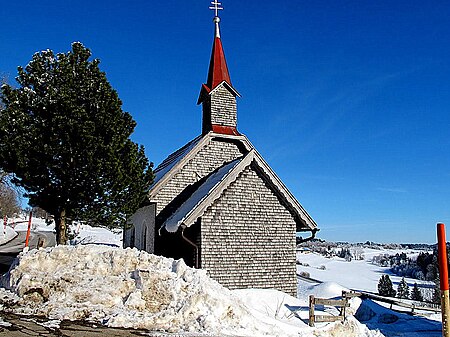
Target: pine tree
<point x="436" y="296"/>
<point x="385" y="287"/>
<point x="416" y="294"/>
<point x="403" y="289"/>
<point x="66" y="139"/>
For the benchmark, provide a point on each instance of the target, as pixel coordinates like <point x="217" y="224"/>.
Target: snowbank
<point x="130" y="288"/>
<point x="7" y="234"/>
<point x="328" y="290"/>
<point x="82" y="233"/>
<point x="291" y="315"/>
<point x="277" y="308"/>
<point x="123" y="287"/>
<point x="86" y="234"/>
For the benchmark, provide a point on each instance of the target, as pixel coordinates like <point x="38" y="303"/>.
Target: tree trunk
<point x="61" y="228"/>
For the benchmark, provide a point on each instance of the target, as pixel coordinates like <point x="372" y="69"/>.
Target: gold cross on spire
<point x="216" y="7"/>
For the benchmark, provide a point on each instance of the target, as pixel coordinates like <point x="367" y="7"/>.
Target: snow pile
<point x="328" y="290"/>
<point x="130" y="288"/>
<point x="291" y="315"/>
<point x="120" y="287"/>
<point x="277" y="308"/>
<point x="7" y="235"/>
<point x="126" y="288"/>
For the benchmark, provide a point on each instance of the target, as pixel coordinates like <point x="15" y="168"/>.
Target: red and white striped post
<point x="5" y="221"/>
<point x="28" y="230"/>
<point x="443" y="276"/>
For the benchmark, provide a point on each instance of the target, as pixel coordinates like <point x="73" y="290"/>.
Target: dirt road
<point x="16" y="326"/>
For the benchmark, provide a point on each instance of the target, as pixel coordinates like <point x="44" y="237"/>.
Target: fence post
<point x="343" y="310"/>
<point x="311" y="310"/>
<point x="443" y="276"/>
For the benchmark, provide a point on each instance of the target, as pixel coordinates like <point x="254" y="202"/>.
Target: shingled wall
<point x="248" y="237"/>
<point x="212" y="156"/>
<point x="223" y="107"/>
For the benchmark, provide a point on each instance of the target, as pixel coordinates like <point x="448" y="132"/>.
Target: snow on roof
<point x="177" y="218"/>
<point x="173" y="159"/>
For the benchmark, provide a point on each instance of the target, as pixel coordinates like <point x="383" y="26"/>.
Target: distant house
<point x="218" y="205"/>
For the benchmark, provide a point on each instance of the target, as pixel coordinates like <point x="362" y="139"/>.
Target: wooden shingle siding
<point x="212" y="156"/>
<point x="248" y="237"/>
<point x="223" y="107"/>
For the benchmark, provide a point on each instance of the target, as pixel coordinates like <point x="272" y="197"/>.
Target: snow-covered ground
<point x="357" y="275"/>
<point x="82" y="233"/>
<point x="128" y="288"/>
<point x="7" y="235"/>
<point x="364" y="276"/>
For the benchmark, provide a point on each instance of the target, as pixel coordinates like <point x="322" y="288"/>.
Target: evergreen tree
<point x="403" y="289"/>
<point x="436" y="296"/>
<point x="345" y="254"/>
<point x="66" y="139"/>
<point x="416" y="294"/>
<point x="385" y="287"/>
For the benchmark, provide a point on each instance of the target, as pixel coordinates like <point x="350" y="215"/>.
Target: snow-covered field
<point x="364" y="276"/>
<point x="356" y="275"/>
<point x="128" y="288"/>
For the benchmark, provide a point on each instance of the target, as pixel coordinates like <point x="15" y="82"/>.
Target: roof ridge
<point x="187" y="212"/>
<point x="174" y="155"/>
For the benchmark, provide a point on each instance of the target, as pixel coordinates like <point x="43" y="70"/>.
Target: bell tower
<point x="217" y="95"/>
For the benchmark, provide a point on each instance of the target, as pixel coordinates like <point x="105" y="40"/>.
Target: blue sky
<point x="348" y="101"/>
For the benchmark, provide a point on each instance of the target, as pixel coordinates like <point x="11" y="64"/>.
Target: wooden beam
<point x="327" y="318"/>
<point x="333" y="303"/>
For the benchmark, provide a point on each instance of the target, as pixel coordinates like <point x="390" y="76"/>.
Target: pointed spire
<point x="218" y="96"/>
<point x="218" y="70"/>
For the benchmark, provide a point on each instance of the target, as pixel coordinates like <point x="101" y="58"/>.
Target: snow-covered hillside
<point x="356" y="275"/>
<point x="364" y="276"/>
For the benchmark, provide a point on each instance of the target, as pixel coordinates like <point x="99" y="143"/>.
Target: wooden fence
<point x="413" y="306"/>
<point x="313" y="301"/>
<point x="342" y="304"/>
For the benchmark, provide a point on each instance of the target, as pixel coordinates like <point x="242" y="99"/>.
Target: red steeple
<point x="218" y="70"/>
<point x="218" y="96"/>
